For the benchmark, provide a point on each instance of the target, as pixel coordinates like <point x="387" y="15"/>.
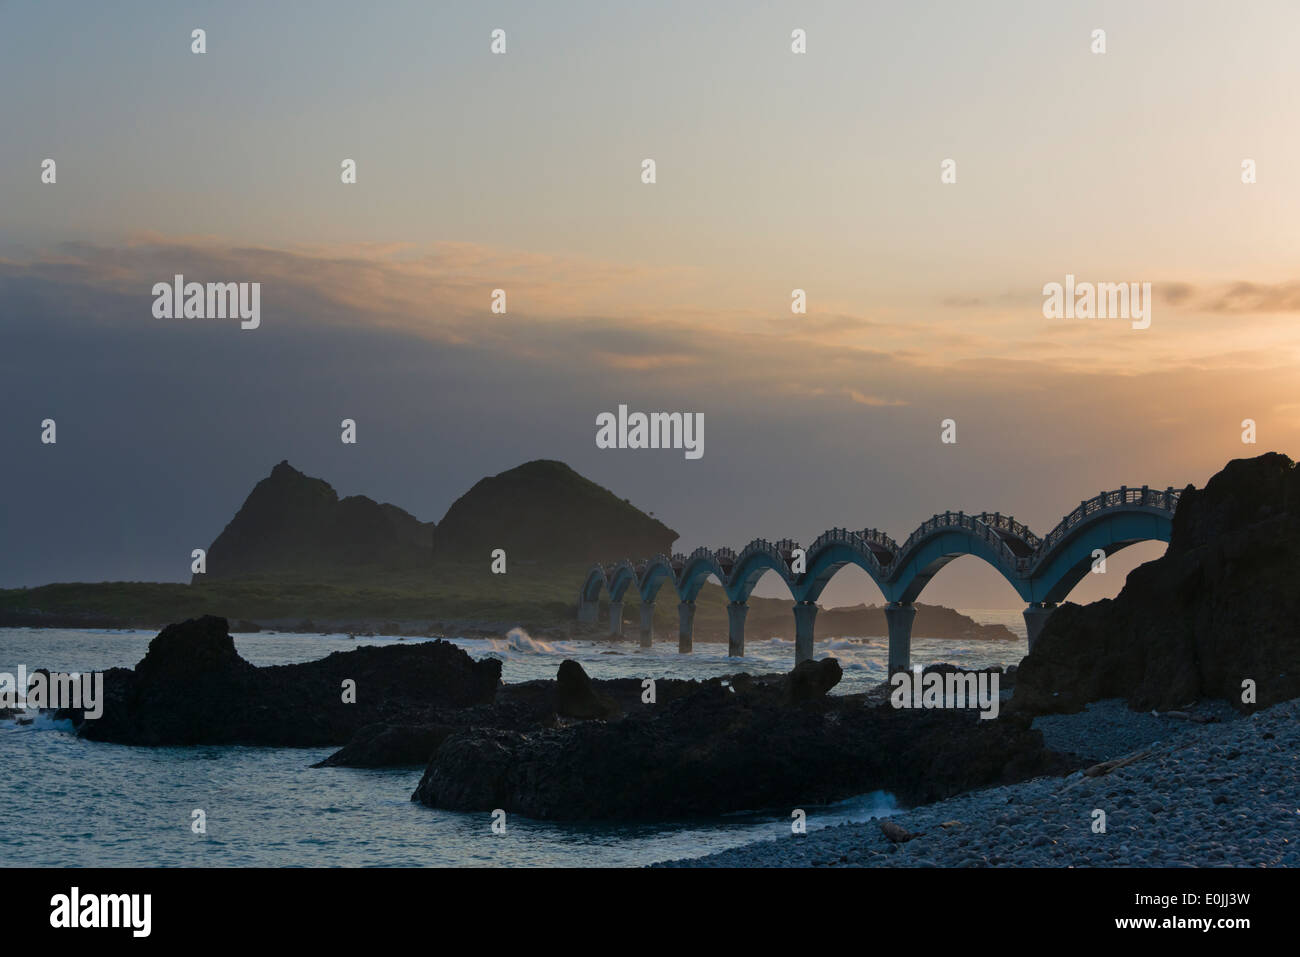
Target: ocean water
<point x="69" y="802"/>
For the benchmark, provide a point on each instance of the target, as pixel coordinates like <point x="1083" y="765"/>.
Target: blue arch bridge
<point x="1041" y="570"/>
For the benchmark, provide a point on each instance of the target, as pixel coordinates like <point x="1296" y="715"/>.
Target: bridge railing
<point x="947" y="520"/>
<point x="1163" y="499"/>
<point x="1007" y="523"/>
<point x="761" y="546"/>
<point x="877" y="537"/>
<point x="856" y="540"/>
<point x="786" y="547"/>
<point x="985" y="526"/>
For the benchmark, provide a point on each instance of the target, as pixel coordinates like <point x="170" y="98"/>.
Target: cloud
<point x="570" y="312"/>
<point x="165" y="424"/>
<point x="644" y="362"/>
<point x="863" y="399"/>
<point x="1240" y="296"/>
<point x="853" y="395"/>
<point x="1250" y="297"/>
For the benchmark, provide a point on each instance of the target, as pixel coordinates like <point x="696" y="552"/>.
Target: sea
<point x="68" y="802"/>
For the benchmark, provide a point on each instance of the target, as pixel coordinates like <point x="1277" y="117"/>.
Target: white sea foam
<point x="39" y="721"/>
<point x="516" y="642"/>
<point x="864" y="807"/>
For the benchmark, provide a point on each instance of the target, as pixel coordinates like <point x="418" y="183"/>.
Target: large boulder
<point x="726" y="747"/>
<point x="813" y="678"/>
<point x="525" y="707"/>
<point x="1221" y="607"/>
<point x="192" y="687"/>
<point x="575" y="697"/>
<point x="386" y="746"/>
<point x="197" y="649"/>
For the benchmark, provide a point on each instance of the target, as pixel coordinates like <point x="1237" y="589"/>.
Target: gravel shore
<point x="1215" y="794"/>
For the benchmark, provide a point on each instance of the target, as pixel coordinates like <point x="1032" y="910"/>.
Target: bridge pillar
<point x="899" y="617"/>
<point x="588" y="611"/>
<point x="647" y="624"/>
<point x="805" y="613"/>
<point x="1036" y="616"/>
<point x="616" y="619"/>
<point x="736" y="612"/>
<point x="685" y="626"/>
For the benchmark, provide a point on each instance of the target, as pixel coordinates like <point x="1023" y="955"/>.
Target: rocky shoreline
<point x="1168" y="711"/>
<point x="1215" y="794"/>
<point x="734" y="744"/>
<point x="564" y="749"/>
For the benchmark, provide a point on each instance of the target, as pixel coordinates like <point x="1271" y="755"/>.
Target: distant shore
<point x="364" y="611"/>
<point x="940" y="622"/>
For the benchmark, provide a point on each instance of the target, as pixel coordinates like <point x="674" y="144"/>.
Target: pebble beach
<point x="1223" y="790"/>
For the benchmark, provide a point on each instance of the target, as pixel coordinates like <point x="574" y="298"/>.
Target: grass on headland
<point x="533" y="595"/>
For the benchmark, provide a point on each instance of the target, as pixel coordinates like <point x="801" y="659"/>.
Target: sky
<point x="522" y="171"/>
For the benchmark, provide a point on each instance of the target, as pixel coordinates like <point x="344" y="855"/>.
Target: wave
<point x="40" y="721"/>
<point x="864" y="807"/>
<point x="516" y="642"/>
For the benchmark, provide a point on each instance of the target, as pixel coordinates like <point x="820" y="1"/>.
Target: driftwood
<point x="1097" y="770"/>
<point x="896" y="832"/>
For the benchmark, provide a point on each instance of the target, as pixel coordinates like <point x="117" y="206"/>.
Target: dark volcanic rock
<point x="717" y="750"/>
<point x="384" y="746"/>
<point x="527" y="706"/>
<point x="576" y="698"/>
<point x="814" y="678"/>
<point x="1221" y="606"/>
<point x="197" y="647"/>
<point x="192" y="687"/>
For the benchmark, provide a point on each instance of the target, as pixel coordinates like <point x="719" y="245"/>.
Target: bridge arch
<point x="696" y="571"/>
<point x="1070" y="559"/>
<point x="929" y="550"/>
<point x="1042" y="571"/>
<point x="657" y="571"/>
<point x="757" y="558"/>
<point x="592" y="585"/>
<point x="623" y="576"/>
<point x="831" y="552"/>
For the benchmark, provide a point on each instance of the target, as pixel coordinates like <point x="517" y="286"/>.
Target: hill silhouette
<point x="294" y="525"/>
<point x="545" y="511"/>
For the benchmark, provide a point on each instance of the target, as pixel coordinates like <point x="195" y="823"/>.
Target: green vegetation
<point x="533" y="595"/>
<point x="528" y="593"/>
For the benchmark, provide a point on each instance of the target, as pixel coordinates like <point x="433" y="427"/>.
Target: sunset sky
<point x="521" y="171"/>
